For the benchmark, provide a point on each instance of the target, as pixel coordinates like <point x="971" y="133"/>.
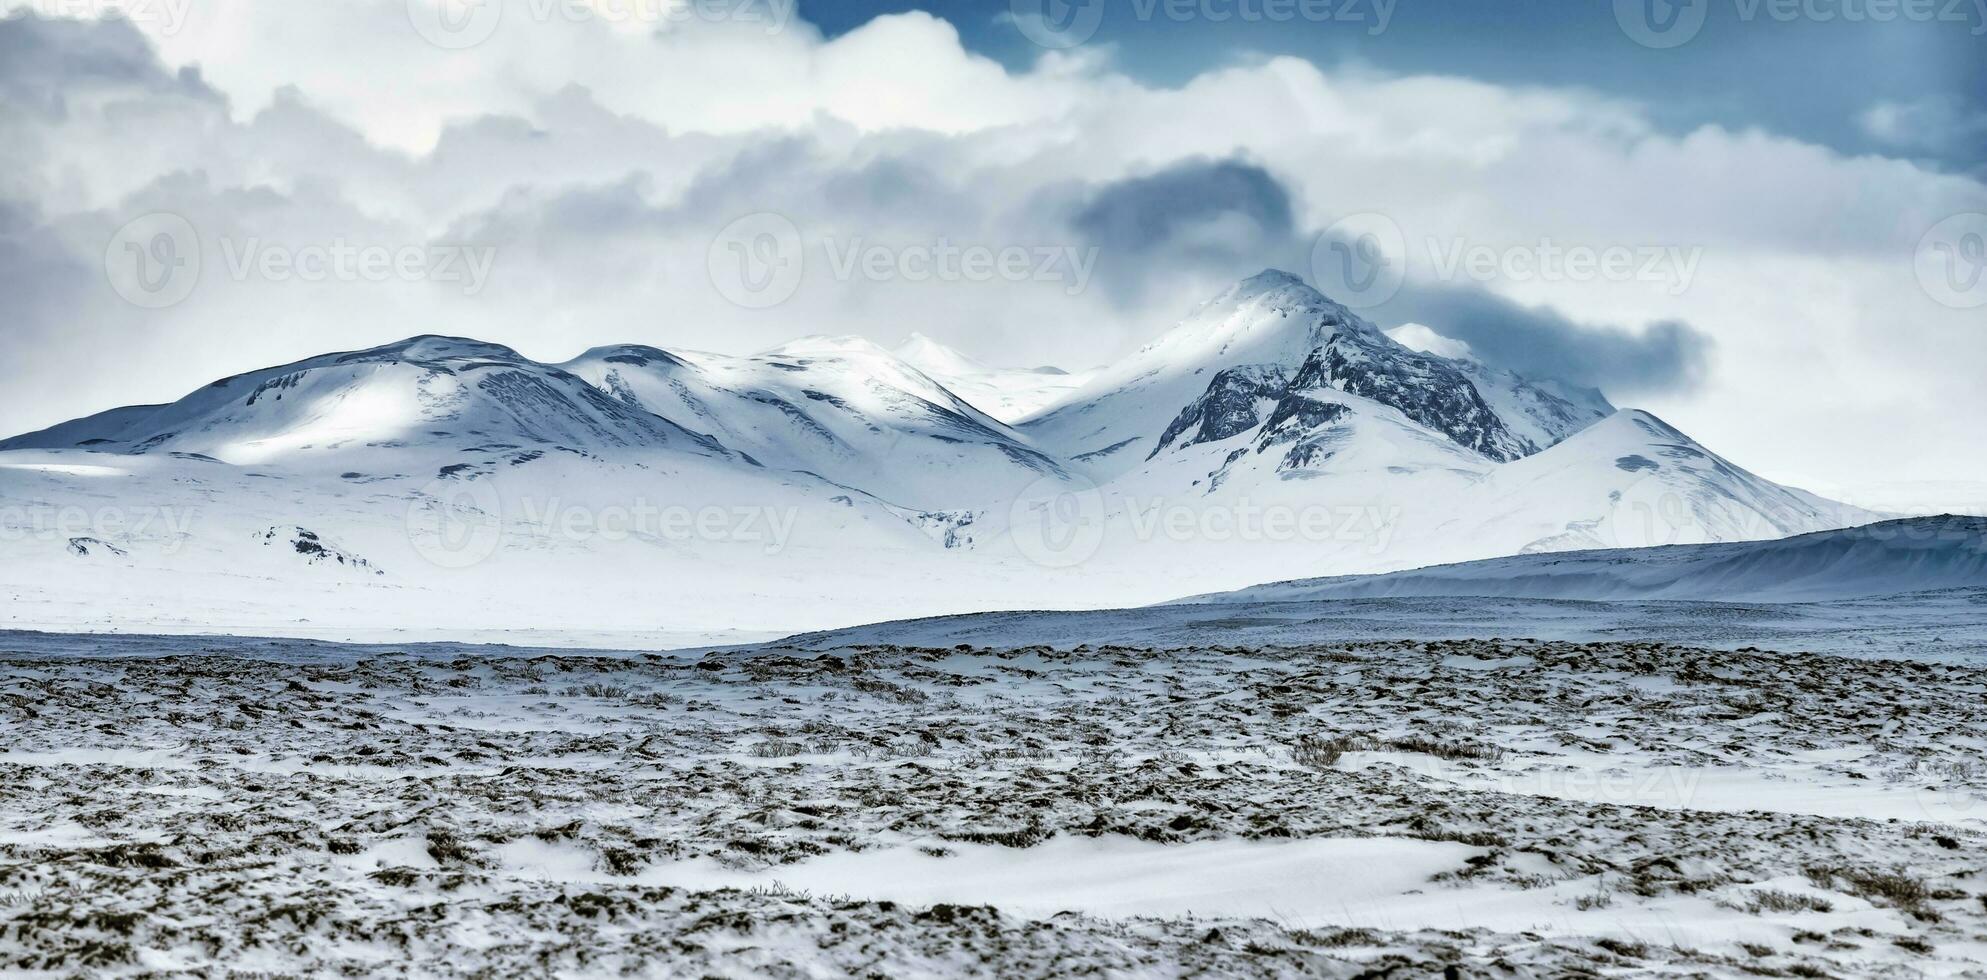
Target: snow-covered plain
<point x="1292" y="785"/>
<point x="1513" y="807"/>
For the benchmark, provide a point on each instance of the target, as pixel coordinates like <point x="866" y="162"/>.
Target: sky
<point x="1812" y="69"/>
<point x="1761" y="219"/>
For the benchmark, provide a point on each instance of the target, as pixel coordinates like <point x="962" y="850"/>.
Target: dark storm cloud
<point x="39" y="278"/>
<point x="1171" y="206"/>
<point x="1222" y="219"/>
<point x="1231" y="218"/>
<point x="43" y="61"/>
<point x="1540" y="342"/>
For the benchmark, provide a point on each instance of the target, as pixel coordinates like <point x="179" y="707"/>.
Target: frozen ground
<point x="1499" y="808"/>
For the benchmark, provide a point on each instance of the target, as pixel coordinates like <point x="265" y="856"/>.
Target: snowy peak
<point x="1272" y="347"/>
<point x="1637" y="430"/>
<point x="937" y="359"/>
<point x="1271" y="317"/>
<point x="1633" y="480"/>
<point x="1273" y="279"/>
<point x="427" y="394"/>
<point x="1543" y="413"/>
<point x="839" y="408"/>
<point x="1637" y="423"/>
<point x="1275" y="287"/>
<point x="824" y="345"/>
<point x="836" y="408"/>
<point x="1488" y="410"/>
<point x="429" y="349"/>
<point x="1008" y="394"/>
<point x="1430" y="390"/>
<point x="1540" y="411"/>
<point x="857" y="359"/>
<point x="639" y="355"/>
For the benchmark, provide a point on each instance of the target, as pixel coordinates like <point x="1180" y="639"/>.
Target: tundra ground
<point x="1476" y="808"/>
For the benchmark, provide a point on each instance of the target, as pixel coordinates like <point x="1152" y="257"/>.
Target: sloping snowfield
<point x="1947" y="625"/>
<point x="1509" y="808"/>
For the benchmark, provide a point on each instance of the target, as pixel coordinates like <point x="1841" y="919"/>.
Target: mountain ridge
<point x="1272" y="435"/>
<point x="1272" y="336"/>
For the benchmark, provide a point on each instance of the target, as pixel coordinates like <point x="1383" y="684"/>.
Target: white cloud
<point x="366" y="63"/>
<point x="1937" y="124"/>
<point x="1421" y="338"/>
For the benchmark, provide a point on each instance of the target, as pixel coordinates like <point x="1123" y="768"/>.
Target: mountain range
<point x="452" y="483"/>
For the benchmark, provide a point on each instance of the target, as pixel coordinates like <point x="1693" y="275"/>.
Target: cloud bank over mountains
<point x="317" y="151"/>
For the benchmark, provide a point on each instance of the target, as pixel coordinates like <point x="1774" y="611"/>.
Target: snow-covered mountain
<point x="1008" y="394"/>
<point x="840" y="408"/>
<point x="1273" y="395"/>
<point x="1274" y="357"/>
<point x="437" y="396"/>
<point x="440" y="481"/>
